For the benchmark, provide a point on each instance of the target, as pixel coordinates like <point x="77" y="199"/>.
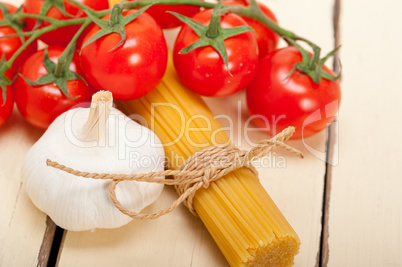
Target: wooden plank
<point x="22" y="225"/>
<point x="365" y="227"/>
<point x="179" y="239"/>
<point x="26" y="234"/>
<point x="298" y="188"/>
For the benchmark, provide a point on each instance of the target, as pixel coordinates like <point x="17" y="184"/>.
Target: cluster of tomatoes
<point x="133" y="69"/>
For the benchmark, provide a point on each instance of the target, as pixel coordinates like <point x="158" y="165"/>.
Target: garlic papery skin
<point x="99" y="139"/>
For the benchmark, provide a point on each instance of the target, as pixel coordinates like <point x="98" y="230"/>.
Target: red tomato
<point x="266" y="38"/>
<point x="40" y="105"/>
<point x="203" y="70"/>
<point x="9" y="45"/>
<point x="168" y="21"/>
<point x="6" y="108"/>
<point x="278" y="102"/>
<point x="61" y="36"/>
<point x="134" y="68"/>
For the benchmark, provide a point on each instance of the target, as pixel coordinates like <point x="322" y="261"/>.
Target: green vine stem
<point x="115" y="15"/>
<point x="251" y="11"/>
<point x="65" y="58"/>
<point x="137" y="4"/>
<point x="38" y="17"/>
<point x="310" y="66"/>
<point x="215" y="22"/>
<point x="55" y="24"/>
<point x="33" y="37"/>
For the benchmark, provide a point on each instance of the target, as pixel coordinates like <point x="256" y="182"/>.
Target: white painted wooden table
<point x="347" y="212"/>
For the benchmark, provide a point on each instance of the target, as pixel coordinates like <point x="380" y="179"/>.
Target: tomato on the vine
<point x="267" y="39"/>
<point x="10" y="8"/>
<point x="132" y="69"/>
<point x="40" y="105"/>
<point x="61" y="36"/>
<point x="168" y="21"/>
<point x="204" y="71"/>
<point x="9" y="45"/>
<point x="277" y="101"/>
<point x="6" y="107"/>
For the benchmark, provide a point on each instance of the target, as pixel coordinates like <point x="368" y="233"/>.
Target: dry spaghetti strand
<point x="199" y="170"/>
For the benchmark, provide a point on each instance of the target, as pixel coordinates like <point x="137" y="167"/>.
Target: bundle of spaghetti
<point x="237" y="211"/>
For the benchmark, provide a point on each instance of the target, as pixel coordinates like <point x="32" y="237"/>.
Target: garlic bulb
<point x="99" y="139"/>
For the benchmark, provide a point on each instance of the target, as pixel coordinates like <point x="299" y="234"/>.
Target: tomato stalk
<point x="116" y="24"/>
<point x="65" y="58"/>
<point x="6" y="65"/>
<point x="47" y="5"/>
<point x="60" y="73"/>
<point x="35" y="34"/>
<point x="60" y="80"/>
<point x="115" y="15"/>
<point x="314" y="68"/>
<point x="138" y="4"/>
<point x="12" y="20"/>
<point x="4" y="82"/>
<point x="215" y="24"/>
<point x="38" y="17"/>
<point x="212" y="35"/>
<point x="253" y="11"/>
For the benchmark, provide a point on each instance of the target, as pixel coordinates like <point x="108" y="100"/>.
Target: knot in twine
<point x="199" y="170"/>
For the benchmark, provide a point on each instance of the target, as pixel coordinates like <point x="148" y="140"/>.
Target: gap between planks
<point x="51" y="244"/>
<point x="47" y="243"/>
<point x="332" y="136"/>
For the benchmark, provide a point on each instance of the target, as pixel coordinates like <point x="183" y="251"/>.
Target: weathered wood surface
<point x="365" y="207"/>
<point x="363" y="192"/>
<point x="22" y="225"/>
<point x="181" y="240"/>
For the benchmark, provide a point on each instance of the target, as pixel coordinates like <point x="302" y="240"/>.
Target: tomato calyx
<point x="313" y="66"/>
<point x="213" y="34"/>
<point x="116" y="24"/>
<point x="58" y="75"/>
<point x="4" y="81"/>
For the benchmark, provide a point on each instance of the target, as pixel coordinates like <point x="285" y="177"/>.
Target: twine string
<point x="199" y="170"/>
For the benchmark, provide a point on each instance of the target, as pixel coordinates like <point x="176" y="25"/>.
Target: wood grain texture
<point x="179" y="239"/>
<point x="365" y="226"/>
<point x="26" y="234"/>
<point x="22" y="225"/>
